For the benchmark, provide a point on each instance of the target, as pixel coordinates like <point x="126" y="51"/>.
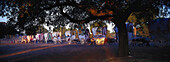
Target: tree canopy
<point x="54" y="12"/>
<point x="30" y="13"/>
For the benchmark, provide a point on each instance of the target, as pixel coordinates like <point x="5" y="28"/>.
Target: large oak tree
<point x="53" y="12"/>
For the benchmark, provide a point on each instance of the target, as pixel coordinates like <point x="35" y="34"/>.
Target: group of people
<point x="55" y="37"/>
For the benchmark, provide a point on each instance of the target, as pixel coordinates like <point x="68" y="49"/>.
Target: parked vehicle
<point x="141" y="41"/>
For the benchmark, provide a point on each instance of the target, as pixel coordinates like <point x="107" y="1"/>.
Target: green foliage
<point x="28" y="12"/>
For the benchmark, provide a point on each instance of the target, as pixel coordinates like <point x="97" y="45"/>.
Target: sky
<point x="168" y="15"/>
<point x="3" y="19"/>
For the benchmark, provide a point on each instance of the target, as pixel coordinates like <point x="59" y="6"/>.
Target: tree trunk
<point x="123" y="39"/>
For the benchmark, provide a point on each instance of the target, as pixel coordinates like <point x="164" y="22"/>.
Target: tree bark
<point x="123" y="39"/>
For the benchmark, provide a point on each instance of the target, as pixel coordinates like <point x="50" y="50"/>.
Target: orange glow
<point x="110" y="18"/>
<point x="94" y="12"/>
<point x="100" y="41"/>
<point x="21" y="15"/>
<point x="29" y="4"/>
<point x="80" y="5"/>
<point x="92" y="40"/>
<point x="135" y="31"/>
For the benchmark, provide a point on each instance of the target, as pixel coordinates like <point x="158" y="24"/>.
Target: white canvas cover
<point x="73" y="37"/>
<point x="68" y="33"/>
<point x="54" y="34"/>
<point x="46" y="37"/>
<point x="37" y="37"/>
<point x="58" y="36"/>
<point x="94" y="30"/>
<point x="81" y="37"/>
<point x="41" y="36"/>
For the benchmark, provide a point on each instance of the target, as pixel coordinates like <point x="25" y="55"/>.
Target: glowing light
<point x="100" y="41"/>
<point x="101" y="13"/>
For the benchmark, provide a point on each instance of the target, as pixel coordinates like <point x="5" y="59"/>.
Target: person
<point x="68" y="39"/>
<point x="99" y="31"/>
<point x="104" y="30"/>
<point x="31" y="39"/>
<point x="68" y="36"/>
<point x="49" y="37"/>
<point x="94" y="30"/>
<point x="37" y="38"/>
<point x="73" y="36"/>
<point x="24" y="39"/>
<point x="92" y="41"/>
<point x="54" y="34"/>
<point x="54" y="37"/>
<point x="20" y="39"/>
<point x="28" y="38"/>
<point x="34" y="38"/>
<point x="116" y="31"/>
<point x="46" y="37"/>
<point x="55" y="40"/>
<point x="41" y="37"/>
<point x="58" y="38"/>
<point x="87" y="34"/>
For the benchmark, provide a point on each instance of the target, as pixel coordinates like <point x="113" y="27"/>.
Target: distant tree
<point x="3" y="30"/>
